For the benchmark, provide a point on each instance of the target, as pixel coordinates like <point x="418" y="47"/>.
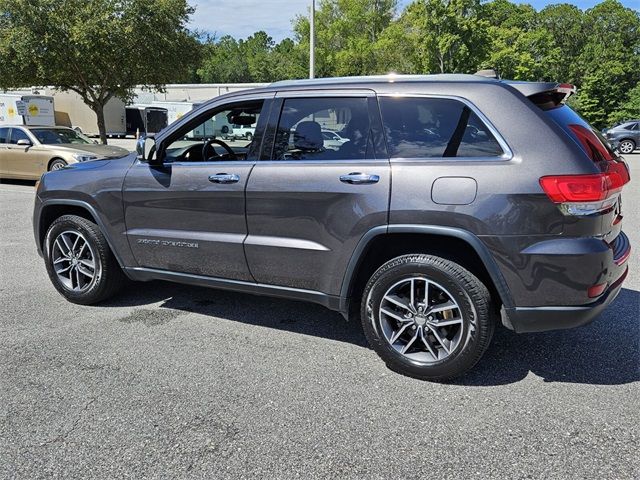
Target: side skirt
<point x="141" y="274"/>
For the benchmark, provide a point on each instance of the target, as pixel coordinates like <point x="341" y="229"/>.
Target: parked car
<point x="242" y="132"/>
<point x="458" y="202"/>
<point x="625" y="136"/>
<point x="332" y="140"/>
<point x="28" y="152"/>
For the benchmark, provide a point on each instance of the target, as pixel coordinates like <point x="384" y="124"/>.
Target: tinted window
<point x="4" y="135"/>
<point x="17" y="134"/>
<point x="435" y="127"/>
<point x="53" y="136"/>
<point x="590" y="139"/>
<point x="299" y="135"/>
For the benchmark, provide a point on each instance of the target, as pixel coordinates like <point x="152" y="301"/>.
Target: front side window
<point x="435" y="128"/>
<point x="17" y="134"/>
<point x="211" y="138"/>
<point x="309" y="128"/>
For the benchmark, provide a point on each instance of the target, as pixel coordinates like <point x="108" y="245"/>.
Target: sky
<point x="241" y="18"/>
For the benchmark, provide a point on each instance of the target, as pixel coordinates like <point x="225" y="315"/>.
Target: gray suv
<point x="456" y="202"/>
<point x="625" y="137"/>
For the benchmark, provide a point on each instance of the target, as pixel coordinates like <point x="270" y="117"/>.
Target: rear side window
<point x="4" y="135"/>
<point x="591" y="140"/>
<point x="307" y="125"/>
<point x="435" y="128"/>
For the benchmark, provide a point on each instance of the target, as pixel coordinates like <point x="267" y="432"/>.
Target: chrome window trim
<point x="507" y="152"/>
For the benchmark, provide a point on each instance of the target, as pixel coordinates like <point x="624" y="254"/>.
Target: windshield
<point x="55" y="136"/>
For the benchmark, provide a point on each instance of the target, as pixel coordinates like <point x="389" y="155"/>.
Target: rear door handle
<point x="224" y="178"/>
<point x="357" y="178"/>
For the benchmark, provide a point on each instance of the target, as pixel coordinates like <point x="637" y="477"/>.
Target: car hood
<point x="100" y="151"/>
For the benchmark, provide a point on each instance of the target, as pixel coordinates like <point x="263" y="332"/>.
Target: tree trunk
<point x="99" y="109"/>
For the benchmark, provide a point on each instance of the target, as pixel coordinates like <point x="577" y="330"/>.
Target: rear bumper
<point x="540" y="319"/>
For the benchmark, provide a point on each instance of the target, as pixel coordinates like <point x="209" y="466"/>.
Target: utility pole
<point x="312" y="40"/>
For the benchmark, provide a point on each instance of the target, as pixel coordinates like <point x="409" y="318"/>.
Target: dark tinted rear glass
<point x="591" y="140"/>
<point x="435" y="127"/>
<point x="4" y="135"/>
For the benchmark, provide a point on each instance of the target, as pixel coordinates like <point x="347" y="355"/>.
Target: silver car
<point x="625" y="136"/>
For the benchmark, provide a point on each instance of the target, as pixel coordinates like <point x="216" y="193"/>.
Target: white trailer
<point x="71" y="111"/>
<point x="175" y="110"/>
<point x="16" y="109"/>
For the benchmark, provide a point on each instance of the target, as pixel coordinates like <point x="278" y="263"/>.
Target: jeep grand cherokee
<point x="457" y="202"/>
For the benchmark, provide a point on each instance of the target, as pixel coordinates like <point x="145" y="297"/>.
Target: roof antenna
<point x="488" y="72"/>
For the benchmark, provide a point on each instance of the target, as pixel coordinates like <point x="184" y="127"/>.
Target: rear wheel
<point x="627" y="146"/>
<point x="249" y="137"/>
<point x="79" y="261"/>
<point x="57" y="164"/>
<point x="427" y="317"/>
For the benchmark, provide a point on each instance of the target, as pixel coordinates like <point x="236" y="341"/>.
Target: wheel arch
<point x="53" y="159"/>
<point x="383" y="243"/>
<point x="53" y="209"/>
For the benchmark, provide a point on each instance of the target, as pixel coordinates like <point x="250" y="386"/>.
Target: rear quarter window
<point x="435" y="128"/>
<point x="590" y="140"/>
<point x="4" y="135"/>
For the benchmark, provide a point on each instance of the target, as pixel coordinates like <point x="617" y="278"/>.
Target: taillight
<point x="586" y="194"/>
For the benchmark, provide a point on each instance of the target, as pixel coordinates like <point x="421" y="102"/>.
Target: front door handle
<point x="224" y="178"/>
<point x="357" y="178"/>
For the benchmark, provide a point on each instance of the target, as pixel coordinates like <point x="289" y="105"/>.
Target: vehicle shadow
<point x="606" y="352"/>
<point x="13" y="181"/>
<point x="281" y="314"/>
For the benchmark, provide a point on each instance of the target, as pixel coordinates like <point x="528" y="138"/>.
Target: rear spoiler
<point x="546" y="95"/>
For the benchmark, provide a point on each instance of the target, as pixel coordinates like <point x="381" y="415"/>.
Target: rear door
<point x="308" y="205"/>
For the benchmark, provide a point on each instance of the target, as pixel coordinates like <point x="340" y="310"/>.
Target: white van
<point x="27" y="110"/>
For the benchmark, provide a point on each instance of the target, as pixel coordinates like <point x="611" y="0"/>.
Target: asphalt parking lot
<point x="168" y="381"/>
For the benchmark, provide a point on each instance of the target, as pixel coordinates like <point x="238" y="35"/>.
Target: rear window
<point x="4" y="135"/>
<point x="435" y="128"/>
<point x="592" y="142"/>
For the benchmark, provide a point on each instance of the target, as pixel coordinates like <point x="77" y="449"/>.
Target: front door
<point x="309" y="201"/>
<point x="23" y="161"/>
<point x="187" y="214"/>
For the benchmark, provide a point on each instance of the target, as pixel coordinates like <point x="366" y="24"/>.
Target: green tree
<point x="347" y="32"/>
<point x="609" y="63"/>
<point x="97" y="48"/>
<point x="518" y="49"/>
<point x="446" y="36"/>
<point x="629" y="109"/>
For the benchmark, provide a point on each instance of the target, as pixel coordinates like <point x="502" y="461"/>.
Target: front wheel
<point x="427" y="317"/>
<point x="249" y="137"/>
<point x="627" y="146"/>
<point x="57" y="164"/>
<point x="79" y="261"/>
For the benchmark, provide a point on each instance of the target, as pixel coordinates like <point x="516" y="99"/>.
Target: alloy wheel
<point x="74" y="261"/>
<point x="421" y="320"/>
<point x="626" y="146"/>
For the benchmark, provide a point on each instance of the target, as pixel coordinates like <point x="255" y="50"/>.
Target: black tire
<point x="627" y="146"/>
<point x="225" y="129"/>
<point x="108" y="277"/>
<point x="57" y="164"/>
<point x="475" y="308"/>
<point x="249" y="137"/>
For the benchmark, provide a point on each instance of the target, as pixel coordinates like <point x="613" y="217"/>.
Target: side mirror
<point x="146" y="149"/>
<point x="23" y="142"/>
